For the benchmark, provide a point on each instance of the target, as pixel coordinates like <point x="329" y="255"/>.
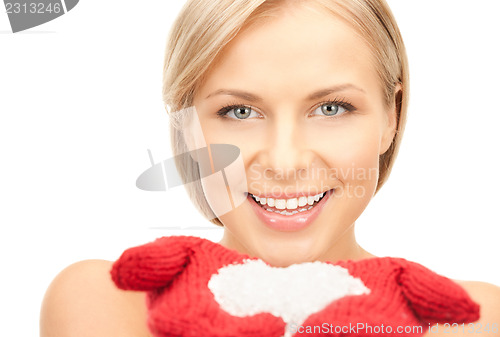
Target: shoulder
<point x="488" y="297"/>
<point x="83" y="301"/>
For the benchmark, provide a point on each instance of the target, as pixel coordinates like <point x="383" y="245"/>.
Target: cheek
<point x="247" y="140"/>
<point x="217" y="132"/>
<point x="352" y="155"/>
<point x="359" y="171"/>
<point x="223" y="177"/>
<point x="356" y="152"/>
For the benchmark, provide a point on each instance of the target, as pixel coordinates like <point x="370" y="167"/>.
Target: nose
<point x="287" y="150"/>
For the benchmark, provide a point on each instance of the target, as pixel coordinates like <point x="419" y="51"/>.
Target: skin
<point x="82" y="300"/>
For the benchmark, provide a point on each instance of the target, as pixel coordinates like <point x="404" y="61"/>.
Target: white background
<point x="80" y="104"/>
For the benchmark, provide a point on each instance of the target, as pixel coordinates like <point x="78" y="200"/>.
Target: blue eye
<point x="237" y="112"/>
<point x="330" y="109"/>
<point x="241" y="112"/>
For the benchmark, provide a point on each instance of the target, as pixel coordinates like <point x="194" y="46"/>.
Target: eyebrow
<point x="315" y="95"/>
<point x="341" y="87"/>
<point x="238" y="93"/>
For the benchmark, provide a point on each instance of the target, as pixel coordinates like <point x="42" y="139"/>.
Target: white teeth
<point x="310" y="200"/>
<point x="284" y="212"/>
<point x="280" y="204"/>
<point x="291" y="203"/>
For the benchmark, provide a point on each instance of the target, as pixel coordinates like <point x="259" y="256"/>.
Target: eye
<point x="331" y="109"/>
<point x="237" y="112"/>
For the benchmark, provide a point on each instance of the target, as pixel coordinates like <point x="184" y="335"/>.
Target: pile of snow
<point x="292" y="293"/>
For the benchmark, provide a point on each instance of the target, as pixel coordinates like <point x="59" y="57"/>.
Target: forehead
<point x="298" y="46"/>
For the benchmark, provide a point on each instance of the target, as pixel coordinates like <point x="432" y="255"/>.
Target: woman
<point x="314" y="93"/>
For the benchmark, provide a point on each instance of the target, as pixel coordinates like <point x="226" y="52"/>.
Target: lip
<point x="287" y="195"/>
<point x="289" y="223"/>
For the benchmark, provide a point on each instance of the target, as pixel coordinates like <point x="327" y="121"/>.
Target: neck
<point x="345" y="247"/>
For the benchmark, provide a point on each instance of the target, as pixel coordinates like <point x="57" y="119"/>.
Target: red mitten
<point x="153" y="265"/>
<point x="187" y="277"/>
<point x="175" y="271"/>
<point x="404" y="298"/>
<point x="436" y="299"/>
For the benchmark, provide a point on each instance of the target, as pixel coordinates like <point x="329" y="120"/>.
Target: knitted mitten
<point x="405" y="298"/>
<point x="176" y="272"/>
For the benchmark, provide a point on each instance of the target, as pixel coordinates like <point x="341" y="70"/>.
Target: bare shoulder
<point x="83" y="301"/>
<point x="488" y="297"/>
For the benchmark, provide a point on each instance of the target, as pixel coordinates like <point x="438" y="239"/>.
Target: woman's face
<point x="300" y="96"/>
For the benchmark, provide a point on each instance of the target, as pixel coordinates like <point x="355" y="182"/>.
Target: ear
<point x="391" y="120"/>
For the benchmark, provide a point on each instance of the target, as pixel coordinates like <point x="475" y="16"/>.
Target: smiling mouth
<point x="288" y="206"/>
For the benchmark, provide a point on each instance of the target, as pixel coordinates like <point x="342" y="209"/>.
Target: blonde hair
<point x="204" y="27"/>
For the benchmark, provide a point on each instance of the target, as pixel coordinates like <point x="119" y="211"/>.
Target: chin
<point x="287" y="252"/>
<point x="284" y="261"/>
